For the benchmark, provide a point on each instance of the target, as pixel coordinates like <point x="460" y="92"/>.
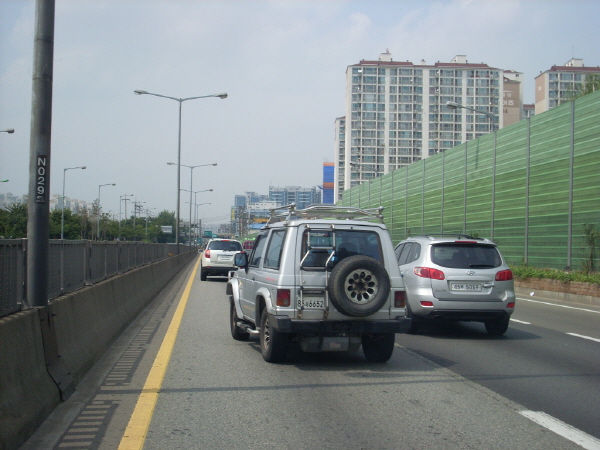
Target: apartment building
<point x="559" y="83"/>
<point x="302" y="197"/>
<point x="396" y="112"/>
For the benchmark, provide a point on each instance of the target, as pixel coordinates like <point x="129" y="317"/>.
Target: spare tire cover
<point x="358" y="286"/>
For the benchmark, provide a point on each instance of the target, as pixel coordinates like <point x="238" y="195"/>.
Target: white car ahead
<point x="217" y="258"/>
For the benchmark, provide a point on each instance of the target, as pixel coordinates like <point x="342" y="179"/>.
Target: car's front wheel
<point x="497" y="327"/>
<point x="273" y="344"/>
<point x="378" y="348"/>
<point x="236" y="332"/>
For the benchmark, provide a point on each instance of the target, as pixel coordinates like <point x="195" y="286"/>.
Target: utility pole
<point x="38" y="205"/>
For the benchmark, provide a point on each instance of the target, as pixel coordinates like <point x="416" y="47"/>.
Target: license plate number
<point x="311" y="303"/>
<point x="465" y="287"/>
<point x="225" y="257"/>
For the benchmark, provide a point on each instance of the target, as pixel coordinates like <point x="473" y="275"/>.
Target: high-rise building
<point x="396" y="112"/>
<point x="558" y="84"/>
<point x="340" y="158"/>
<point x="328" y="182"/>
<point x="302" y="197"/>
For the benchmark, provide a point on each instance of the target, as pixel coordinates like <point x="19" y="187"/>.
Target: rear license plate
<point x="465" y="287"/>
<point x="225" y="257"/>
<point x="314" y="303"/>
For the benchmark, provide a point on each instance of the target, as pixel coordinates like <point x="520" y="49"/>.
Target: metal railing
<point x="73" y="265"/>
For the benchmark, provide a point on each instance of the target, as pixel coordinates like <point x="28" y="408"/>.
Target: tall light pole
<point x="136" y="207"/>
<point x="198" y="204"/>
<point x="180" y="100"/>
<point x="107" y="184"/>
<point x="191" y="185"/>
<point x="9" y="131"/>
<point x="195" y="200"/>
<point x="147" y="215"/>
<point x="124" y="196"/>
<point x="453" y="105"/>
<point x="62" y="221"/>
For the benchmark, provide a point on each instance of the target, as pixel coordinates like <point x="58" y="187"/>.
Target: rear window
<point x="229" y="246"/>
<point x="319" y="244"/>
<point x="465" y="256"/>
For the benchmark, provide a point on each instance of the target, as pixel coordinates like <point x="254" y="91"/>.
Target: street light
<point x="191" y="185"/>
<point x="195" y="200"/>
<point x="62" y="221"/>
<point x="147" y="215"/>
<point x="107" y="184"/>
<point x="136" y="207"/>
<point x="9" y="131"/>
<point x="124" y="196"/>
<point x="196" y="205"/>
<point x="454" y="105"/>
<point x="180" y="100"/>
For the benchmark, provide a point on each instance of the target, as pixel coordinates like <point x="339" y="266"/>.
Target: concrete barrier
<point x="85" y="323"/>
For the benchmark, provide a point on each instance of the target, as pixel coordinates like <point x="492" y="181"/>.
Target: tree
<point x="13" y="221"/>
<point x="590" y="84"/>
<point x="165" y="218"/>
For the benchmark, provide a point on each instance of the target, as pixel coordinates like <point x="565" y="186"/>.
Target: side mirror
<point x="241" y="260"/>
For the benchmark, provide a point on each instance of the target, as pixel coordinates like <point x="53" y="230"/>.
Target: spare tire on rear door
<point x="358" y="286"/>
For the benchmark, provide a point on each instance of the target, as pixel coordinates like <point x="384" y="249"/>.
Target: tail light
<point x="428" y="272"/>
<point x="511" y="305"/>
<point x="283" y="297"/>
<point x="207" y="254"/>
<point x="504" y="275"/>
<point x="399" y="299"/>
<point x="426" y="303"/>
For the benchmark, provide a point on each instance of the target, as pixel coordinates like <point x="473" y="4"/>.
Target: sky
<point x="282" y="64"/>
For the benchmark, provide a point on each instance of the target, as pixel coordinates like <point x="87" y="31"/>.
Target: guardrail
<point x="73" y="265"/>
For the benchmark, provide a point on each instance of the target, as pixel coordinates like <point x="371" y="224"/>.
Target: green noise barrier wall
<point x="531" y="187"/>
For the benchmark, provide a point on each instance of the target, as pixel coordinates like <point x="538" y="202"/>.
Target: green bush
<point x="524" y="272"/>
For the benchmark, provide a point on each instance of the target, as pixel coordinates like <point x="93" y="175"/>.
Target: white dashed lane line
<point x="561" y="306"/>
<point x="583" y="337"/>
<point x="562" y="429"/>
<point x="520" y="321"/>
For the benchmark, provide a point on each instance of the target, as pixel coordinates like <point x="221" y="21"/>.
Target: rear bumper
<point x="467" y="316"/>
<point x="284" y="324"/>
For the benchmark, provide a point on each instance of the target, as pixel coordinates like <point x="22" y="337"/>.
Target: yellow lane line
<point x="137" y="429"/>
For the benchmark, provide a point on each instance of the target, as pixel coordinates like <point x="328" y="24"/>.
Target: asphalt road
<point x="218" y="393"/>
<point x="536" y="364"/>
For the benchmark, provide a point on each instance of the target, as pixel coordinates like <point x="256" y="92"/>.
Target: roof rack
<point x="455" y="235"/>
<point x="289" y="212"/>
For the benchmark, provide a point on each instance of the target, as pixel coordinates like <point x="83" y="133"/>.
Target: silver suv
<point x="458" y="278"/>
<point x="217" y="257"/>
<point x="324" y="277"/>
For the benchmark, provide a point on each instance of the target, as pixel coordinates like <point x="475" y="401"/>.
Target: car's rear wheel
<point x="378" y="348"/>
<point x="497" y="327"/>
<point x="236" y="332"/>
<point x="273" y="344"/>
<point x="359" y="286"/>
<point x="202" y="274"/>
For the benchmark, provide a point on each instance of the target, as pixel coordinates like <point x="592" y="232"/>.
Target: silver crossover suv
<point x="456" y="278"/>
